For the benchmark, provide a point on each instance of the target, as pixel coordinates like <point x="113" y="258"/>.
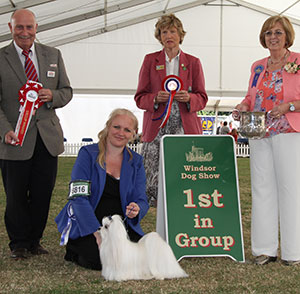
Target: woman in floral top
<point x="274" y="88"/>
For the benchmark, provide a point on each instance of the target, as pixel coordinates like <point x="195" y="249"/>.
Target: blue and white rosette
<point x="258" y="70"/>
<point x="66" y="231"/>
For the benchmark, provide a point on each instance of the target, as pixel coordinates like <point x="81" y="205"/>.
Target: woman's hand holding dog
<point x="132" y="210"/>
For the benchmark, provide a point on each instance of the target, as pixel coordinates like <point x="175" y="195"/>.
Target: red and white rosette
<point x="30" y="102"/>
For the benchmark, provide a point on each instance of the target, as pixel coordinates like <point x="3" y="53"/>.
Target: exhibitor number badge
<point x="79" y="188"/>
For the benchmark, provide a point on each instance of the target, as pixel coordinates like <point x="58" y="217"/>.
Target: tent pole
<point x="282" y="12"/>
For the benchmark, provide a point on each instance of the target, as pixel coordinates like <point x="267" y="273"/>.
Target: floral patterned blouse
<point x="269" y="94"/>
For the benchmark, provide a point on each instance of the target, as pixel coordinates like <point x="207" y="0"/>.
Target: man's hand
<point x="11" y="138"/>
<point x="45" y="95"/>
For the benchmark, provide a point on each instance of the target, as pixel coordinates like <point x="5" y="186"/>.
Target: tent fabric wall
<point x="86" y="115"/>
<point x="112" y="61"/>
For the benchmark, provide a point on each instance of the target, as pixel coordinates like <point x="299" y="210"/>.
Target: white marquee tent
<point x="103" y="43"/>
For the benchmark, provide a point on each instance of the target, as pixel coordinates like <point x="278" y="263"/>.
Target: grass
<point x="50" y="274"/>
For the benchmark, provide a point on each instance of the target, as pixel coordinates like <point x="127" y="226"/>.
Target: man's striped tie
<point x="29" y="67"/>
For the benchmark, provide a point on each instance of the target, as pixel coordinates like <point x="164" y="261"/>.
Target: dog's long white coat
<point x="123" y="260"/>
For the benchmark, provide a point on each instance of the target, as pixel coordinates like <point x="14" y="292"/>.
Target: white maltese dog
<point x="124" y="260"/>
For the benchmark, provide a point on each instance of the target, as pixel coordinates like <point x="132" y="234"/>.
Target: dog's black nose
<point x="110" y="218"/>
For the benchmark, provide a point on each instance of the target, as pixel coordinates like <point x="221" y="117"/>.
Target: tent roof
<point x="66" y="21"/>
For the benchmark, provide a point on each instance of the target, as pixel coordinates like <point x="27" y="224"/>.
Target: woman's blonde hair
<point x="168" y="21"/>
<point x="287" y="26"/>
<point x="103" y="134"/>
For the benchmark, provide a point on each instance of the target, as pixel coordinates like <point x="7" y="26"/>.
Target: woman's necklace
<point x="281" y="60"/>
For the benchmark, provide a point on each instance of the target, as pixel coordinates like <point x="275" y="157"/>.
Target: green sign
<point x="198" y="210"/>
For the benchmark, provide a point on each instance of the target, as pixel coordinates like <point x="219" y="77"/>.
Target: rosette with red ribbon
<point x="30" y="102"/>
<point x="171" y="84"/>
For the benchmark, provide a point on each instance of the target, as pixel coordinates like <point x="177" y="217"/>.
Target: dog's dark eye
<point x="106" y="226"/>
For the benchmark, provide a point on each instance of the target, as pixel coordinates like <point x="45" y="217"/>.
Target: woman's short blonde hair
<point x="168" y="21"/>
<point x="287" y="26"/>
<point x="103" y="134"/>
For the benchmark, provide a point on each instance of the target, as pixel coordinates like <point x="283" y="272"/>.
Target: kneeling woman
<point x="107" y="178"/>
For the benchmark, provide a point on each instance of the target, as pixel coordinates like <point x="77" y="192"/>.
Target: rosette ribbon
<point x="171" y="84"/>
<point x="66" y="231"/>
<point x="30" y="102"/>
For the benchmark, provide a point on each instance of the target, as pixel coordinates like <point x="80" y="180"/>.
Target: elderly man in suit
<point x="29" y="171"/>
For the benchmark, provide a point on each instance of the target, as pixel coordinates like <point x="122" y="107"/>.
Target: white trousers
<point x="275" y="183"/>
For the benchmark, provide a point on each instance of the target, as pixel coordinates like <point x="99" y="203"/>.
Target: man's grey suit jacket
<point x="52" y="75"/>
